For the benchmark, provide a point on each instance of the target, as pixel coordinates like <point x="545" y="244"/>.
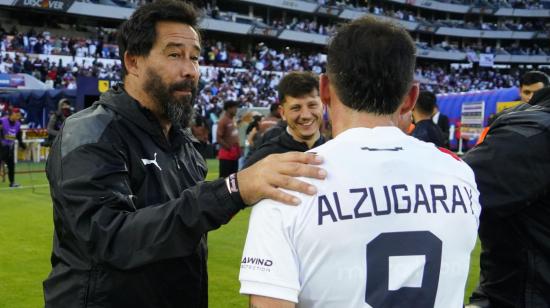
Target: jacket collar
<point x="541" y="97"/>
<point x="129" y="108"/>
<point x="289" y="142"/>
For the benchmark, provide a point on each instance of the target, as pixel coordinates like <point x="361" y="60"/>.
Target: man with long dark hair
<point x="131" y="209"/>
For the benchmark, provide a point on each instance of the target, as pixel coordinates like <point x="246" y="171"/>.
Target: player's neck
<point x="347" y="119"/>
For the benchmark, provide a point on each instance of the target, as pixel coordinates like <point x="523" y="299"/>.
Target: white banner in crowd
<point x="472" y="56"/>
<point x="486" y="59"/>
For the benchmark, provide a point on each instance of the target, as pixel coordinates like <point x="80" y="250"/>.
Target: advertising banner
<point x="12" y="81"/>
<point x="471" y="119"/>
<point x="505" y="105"/>
<point x="57" y="5"/>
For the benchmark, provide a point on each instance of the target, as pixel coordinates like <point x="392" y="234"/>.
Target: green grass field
<point x="26" y="236"/>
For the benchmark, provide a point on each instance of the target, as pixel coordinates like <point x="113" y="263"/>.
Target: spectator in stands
<point x="252" y="135"/>
<point x="272" y="118"/>
<point x="199" y="129"/>
<point x="511" y="167"/>
<point x="10" y="130"/>
<point x="302" y="110"/>
<point x="57" y="119"/>
<point x="425" y="129"/>
<point x="131" y="208"/>
<point x="271" y="129"/>
<point x="531" y="82"/>
<point x="442" y="121"/>
<point x="227" y="136"/>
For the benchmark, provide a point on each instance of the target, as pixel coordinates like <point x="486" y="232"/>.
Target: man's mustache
<point x="186" y="85"/>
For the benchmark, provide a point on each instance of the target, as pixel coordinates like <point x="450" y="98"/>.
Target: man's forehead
<point x="310" y="97"/>
<point x="173" y="33"/>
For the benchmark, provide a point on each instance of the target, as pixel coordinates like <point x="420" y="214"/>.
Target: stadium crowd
<point x="252" y="79"/>
<point x="516" y="4"/>
<point x="99" y="44"/>
<point x="359" y="4"/>
<point x="57" y="74"/>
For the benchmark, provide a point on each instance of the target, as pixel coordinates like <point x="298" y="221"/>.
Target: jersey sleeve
<point x="269" y="266"/>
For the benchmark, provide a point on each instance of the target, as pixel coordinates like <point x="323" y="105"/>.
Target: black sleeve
<point x="93" y="202"/>
<point x="511" y="168"/>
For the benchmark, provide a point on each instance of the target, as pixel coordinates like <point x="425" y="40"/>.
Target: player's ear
<point x="324" y="89"/>
<point x="131" y="64"/>
<point x="282" y="111"/>
<point x="410" y="98"/>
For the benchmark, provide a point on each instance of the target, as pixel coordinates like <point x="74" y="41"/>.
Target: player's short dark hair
<point x="533" y="77"/>
<point x="297" y="84"/>
<point x="137" y="35"/>
<point x="371" y="64"/>
<point x="426" y="102"/>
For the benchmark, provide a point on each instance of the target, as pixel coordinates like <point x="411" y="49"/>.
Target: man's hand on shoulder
<point x="263" y="179"/>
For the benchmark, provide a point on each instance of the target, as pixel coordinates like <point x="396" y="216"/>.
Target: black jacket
<point x="512" y="170"/>
<point x="428" y="131"/>
<point x="280" y="144"/>
<point x="443" y="124"/>
<point x="130" y="211"/>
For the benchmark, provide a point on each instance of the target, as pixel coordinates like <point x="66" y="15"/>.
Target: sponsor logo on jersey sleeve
<point x="256" y="264"/>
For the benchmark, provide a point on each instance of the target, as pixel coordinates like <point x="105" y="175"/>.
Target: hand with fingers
<point x="264" y="179"/>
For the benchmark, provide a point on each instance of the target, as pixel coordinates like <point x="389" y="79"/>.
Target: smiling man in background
<point x="301" y="108"/>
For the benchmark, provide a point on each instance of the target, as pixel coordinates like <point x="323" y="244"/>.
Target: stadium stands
<point x="249" y="43"/>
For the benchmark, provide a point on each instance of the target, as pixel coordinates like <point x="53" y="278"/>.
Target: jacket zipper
<point x="176" y="161"/>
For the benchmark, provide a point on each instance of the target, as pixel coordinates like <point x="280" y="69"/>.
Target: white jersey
<point x="393" y="225"/>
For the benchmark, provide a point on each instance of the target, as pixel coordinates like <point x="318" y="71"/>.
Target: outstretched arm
<point x="257" y="301"/>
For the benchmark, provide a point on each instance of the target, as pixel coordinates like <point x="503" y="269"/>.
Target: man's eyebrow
<point x="180" y="45"/>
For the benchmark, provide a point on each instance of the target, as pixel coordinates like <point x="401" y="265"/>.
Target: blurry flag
<point x="486" y="60"/>
<point x="472" y="56"/>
